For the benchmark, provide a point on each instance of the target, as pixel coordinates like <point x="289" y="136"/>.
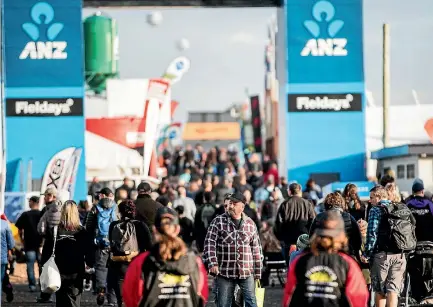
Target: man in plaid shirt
<point x="233" y="252"/>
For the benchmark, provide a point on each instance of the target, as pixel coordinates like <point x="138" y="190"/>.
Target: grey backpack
<point x="124" y="243"/>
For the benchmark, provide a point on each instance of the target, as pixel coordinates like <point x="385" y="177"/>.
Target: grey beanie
<point x="303" y="242"/>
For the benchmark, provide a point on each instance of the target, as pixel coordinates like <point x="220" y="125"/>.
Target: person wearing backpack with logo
<point x="98" y="222"/>
<point x="390" y="235"/>
<point x="168" y="275"/>
<point x="128" y="238"/>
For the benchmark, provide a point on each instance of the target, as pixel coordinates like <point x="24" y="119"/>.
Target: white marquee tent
<point x="105" y="158"/>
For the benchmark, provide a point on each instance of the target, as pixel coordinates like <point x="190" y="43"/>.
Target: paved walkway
<point x="23" y="297"/>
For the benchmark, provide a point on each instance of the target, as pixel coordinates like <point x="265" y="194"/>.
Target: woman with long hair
<point x="393" y="192"/>
<point x="335" y="202"/>
<point x="74" y="252"/>
<point x="324" y="275"/>
<point x="353" y="204"/>
<point x="168" y="274"/>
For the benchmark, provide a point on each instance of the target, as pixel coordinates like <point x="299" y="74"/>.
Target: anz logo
<point x="43" y="33"/>
<point x="324" y="30"/>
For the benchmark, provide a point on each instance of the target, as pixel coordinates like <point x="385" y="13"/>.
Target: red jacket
<point x="133" y="285"/>
<point x="329" y="270"/>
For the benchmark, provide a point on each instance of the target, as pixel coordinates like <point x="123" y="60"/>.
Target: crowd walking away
<point x="215" y="232"/>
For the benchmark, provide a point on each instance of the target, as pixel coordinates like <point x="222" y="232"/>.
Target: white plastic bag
<point x="50" y="277"/>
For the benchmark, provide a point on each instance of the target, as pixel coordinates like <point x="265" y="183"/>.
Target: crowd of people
<point x="144" y="246"/>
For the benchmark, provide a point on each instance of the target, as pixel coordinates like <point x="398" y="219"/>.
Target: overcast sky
<point x="227" y="50"/>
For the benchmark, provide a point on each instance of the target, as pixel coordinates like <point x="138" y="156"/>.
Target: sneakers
<point x="87" y="286"/>
<point x="101" y="297"/>
<point x="32" y="288"/>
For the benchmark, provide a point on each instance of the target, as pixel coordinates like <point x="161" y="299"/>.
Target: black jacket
<point x="146" y="209"/>
<point x="294" y="218"/>
<point x="325" y="280"/>
<point x="351" y="228"/>
<point x="73" y="250"/>
<point x="422" y="211"/>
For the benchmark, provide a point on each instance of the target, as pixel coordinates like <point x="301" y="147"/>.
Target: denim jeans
<point x="226" y="290"/>
<point x="31" y="258"/>
<point x="101" y="269"/>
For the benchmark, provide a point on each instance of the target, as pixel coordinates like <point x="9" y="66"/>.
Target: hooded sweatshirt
<point x="422" y="211"/>
<point x="50" y="217"/>
<point x="92" y="216"/>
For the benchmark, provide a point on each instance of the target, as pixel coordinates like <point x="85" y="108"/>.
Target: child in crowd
<point x="301" y="244"/>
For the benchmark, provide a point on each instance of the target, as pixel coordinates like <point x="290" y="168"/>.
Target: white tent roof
<point x="107" y="158"/>
<point x="406" y="125"/>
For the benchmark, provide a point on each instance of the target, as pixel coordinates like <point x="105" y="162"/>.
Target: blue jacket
<point x="7" y="241"/>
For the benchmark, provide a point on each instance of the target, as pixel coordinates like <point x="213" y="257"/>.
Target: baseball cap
<point x="237" y="197"/>
<point x="105" y="191"/>
<point x="330" y="224"/>
<point x="165" y="213"/>
<point x="144" y="187"/>
<point x="50" y="191"/>
<point x="418" y="185"/>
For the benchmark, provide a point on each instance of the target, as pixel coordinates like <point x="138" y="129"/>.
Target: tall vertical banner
<point x="152" y="118"/>
<point x="325" y="92"/>
<point x="57" y="170"/>
<point x="43" y="60"/>
<point x="256" y="123"/>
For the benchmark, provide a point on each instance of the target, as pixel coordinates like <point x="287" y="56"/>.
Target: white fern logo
<point x="43" y="32"/>
<point x="324" y="29"/>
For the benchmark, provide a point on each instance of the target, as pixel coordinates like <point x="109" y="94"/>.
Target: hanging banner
<point x="325" y="41"/>
<point x="55" y="172"/>
<point x="152" y="116"/>
<point x="257" y="123"/>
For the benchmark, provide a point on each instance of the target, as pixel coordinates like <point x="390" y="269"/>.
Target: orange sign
<point x="211" y="131"/>
<point x="428" y="126"/>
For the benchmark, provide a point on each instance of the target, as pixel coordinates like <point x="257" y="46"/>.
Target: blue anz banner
<point x="44" y="85"/>
<point x="325" y="41"/>
<point x="325" y="119"/>
<point x="43" y="43"/>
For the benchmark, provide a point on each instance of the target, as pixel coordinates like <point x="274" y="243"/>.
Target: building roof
<point x="403" y="150"/>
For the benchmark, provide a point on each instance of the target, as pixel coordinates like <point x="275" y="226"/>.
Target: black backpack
<point x="165" y="286"/>
<point x="398" y="230"/>
<point x="124" y="243"/>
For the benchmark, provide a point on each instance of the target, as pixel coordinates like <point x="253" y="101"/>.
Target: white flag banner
<point x="70" y="177"/>
<point x="152" y="120"/>
<point x="176" y="69"/>
<point x="56" y="169"/>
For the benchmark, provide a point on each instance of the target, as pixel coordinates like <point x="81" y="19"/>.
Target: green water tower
<point x="101" y="51"/>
